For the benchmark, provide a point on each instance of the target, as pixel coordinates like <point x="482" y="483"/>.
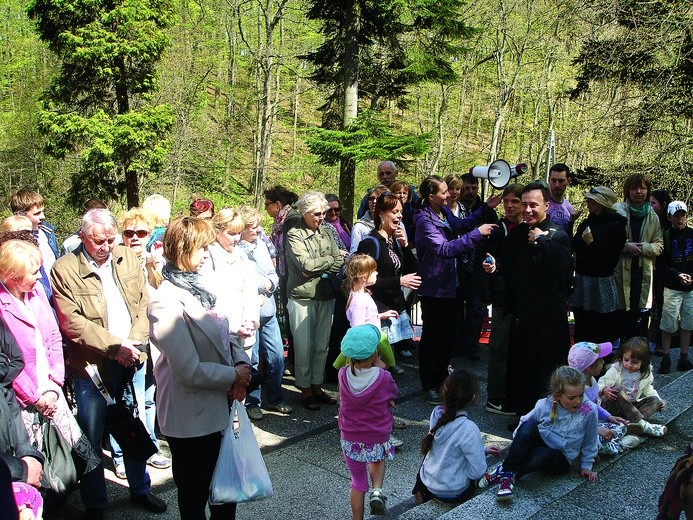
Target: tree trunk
<point x="347" y="167"/>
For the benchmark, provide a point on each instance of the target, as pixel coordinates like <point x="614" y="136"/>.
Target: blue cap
<point x="360" y="341"/>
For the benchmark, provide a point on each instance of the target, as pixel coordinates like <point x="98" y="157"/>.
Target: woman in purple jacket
<point x="440" y="238"/>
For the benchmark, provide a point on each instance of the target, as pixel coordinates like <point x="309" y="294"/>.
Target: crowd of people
<point x="158" y="315"/>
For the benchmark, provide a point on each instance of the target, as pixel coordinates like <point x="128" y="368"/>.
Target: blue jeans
<point x="269" y="346"/>
<point x="91" y="416"/>
<point x="141" y="394"/>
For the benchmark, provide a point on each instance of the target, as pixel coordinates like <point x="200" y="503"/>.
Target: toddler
<point x="626" y="389"/>
<point x="366" y="393"/>
<point x="588" y="358"/>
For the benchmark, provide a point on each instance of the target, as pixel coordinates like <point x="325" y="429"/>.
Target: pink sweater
<point x="366" y="417"/>
<point x="25" y="385"/>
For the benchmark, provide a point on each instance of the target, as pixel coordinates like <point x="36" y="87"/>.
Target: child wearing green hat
<point x="366" y="394"/>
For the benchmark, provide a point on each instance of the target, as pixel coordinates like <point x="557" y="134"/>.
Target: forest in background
<point x="610" y="78"/>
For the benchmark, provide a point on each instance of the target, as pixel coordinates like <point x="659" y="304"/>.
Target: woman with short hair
<point x="312" y="257"/>
<point x="195" y="372"/>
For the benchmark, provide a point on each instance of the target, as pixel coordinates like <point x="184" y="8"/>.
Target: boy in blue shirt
<point x="676" y="264"/>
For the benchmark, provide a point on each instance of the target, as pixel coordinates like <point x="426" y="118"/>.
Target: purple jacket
<point x="437" y="247"/>
<point x="366" y="417"/>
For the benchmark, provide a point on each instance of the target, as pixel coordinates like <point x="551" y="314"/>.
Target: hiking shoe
<point x="507" y="484"/>
<point x="394" y="441"/>
<point x="498" y="407"/>
<point x="255" y="414"/>
<point x="282" y="408"/>
<point x="665" y="365"/>
<point x="491" y="477"/>
<point x="432" y="397"/>
<point x="683" y="365"/>
<point x="377" y="502"/>
<point x="628" y="442"/>
<point x="396" y="370"/>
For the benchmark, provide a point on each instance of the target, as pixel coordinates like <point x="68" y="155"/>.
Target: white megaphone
<point x="498" y="173"/>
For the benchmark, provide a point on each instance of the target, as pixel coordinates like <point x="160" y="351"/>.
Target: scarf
<point x="190" y="281"/>
<point x="641" y="212"/>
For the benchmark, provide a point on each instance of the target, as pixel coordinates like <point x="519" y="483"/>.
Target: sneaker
<point x="498" y="407"/>
<point x="432" y="397"/>
<point x="255" y="413"/>
<point x="120" y="471"/>
<point x="684" y="365"/>
<point x="282" y="408"/>
<point x="405" y="354"/>
<point x="628" y="442"/>
<point x="505" y="489"/>
<point x="491" y="477"/>
<point x="377" y="502"/>
<point x="396" y="370"/>
<point x="159" y="461"/>
<point x="665" y="365"/>
<point x="394" y="441"/>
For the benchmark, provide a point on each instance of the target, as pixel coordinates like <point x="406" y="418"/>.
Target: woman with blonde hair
<point x="25" y="309"/>
<point x="196" y="372"/>
<point x="268" y="348"/>
<point x="312" y="256"/>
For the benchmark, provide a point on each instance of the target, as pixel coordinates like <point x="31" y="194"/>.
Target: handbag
<point x="59" y="470"/>
<point x="240" y="474"/>
<point x="128" y="430"/>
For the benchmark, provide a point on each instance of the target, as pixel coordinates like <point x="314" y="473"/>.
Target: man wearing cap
<point x="537" y="266"/>
<point x="561" y="211"/>
<point x="676" y="264"/>
<point x="597" y="245"/>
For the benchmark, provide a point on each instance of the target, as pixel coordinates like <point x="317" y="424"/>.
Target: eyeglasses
<point x="320" y="214"/>
<point x="129" y="233"/>
<point x="334" y="210"/>
<point x="269" y="202"/>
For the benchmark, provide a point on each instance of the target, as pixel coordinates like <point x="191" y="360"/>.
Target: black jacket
<point x="601" y="256"/>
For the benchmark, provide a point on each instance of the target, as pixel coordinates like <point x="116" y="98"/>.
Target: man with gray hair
<point x="387" y="174"/>
<point x="101" y="302"/>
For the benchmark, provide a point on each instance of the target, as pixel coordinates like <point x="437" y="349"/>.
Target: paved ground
<point x="311" y="480"/>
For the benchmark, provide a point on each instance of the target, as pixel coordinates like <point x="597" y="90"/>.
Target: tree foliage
<point x="96" y="104"/>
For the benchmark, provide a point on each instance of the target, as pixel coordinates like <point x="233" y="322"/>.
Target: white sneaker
<point x="394" y="441"/>
<point x="628" y="442"/>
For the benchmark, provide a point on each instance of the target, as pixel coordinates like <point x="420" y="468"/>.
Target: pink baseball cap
<point x="582" y="355"/>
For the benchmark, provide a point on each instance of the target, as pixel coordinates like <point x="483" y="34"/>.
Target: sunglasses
<point x="129" y="233"/>
<point x="334" y="210"/>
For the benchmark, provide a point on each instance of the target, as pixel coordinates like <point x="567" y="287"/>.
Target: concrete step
<point x="535" y="491"/>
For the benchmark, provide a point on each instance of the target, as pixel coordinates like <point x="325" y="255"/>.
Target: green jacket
<point x="310" y="255"/>
<point x="81" y="308"/>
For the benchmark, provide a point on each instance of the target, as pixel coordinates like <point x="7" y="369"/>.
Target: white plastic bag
<point x="240" y="474"/>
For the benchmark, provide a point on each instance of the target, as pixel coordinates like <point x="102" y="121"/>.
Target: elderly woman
<point x="268" y="346"/>
<point x="202" y="208"/>
<point x="597" y="246"/>
<point x="340" y="228"/>
<point x="135" y="227"/>
<point x="195" y="372"/>
<point x="397" y="266"/>
<point x="634" y="271"/>
<point x="364" y="225"/>
<point x="25" y="310"/>
<point x="312" y="256"/>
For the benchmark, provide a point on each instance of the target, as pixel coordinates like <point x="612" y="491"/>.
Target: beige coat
<point x="193" y="373"/>
<point x="81" y="308"/>
<point x="652" y="247"/>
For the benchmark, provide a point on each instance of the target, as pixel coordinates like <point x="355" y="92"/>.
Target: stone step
<point x="536" y="491"/>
